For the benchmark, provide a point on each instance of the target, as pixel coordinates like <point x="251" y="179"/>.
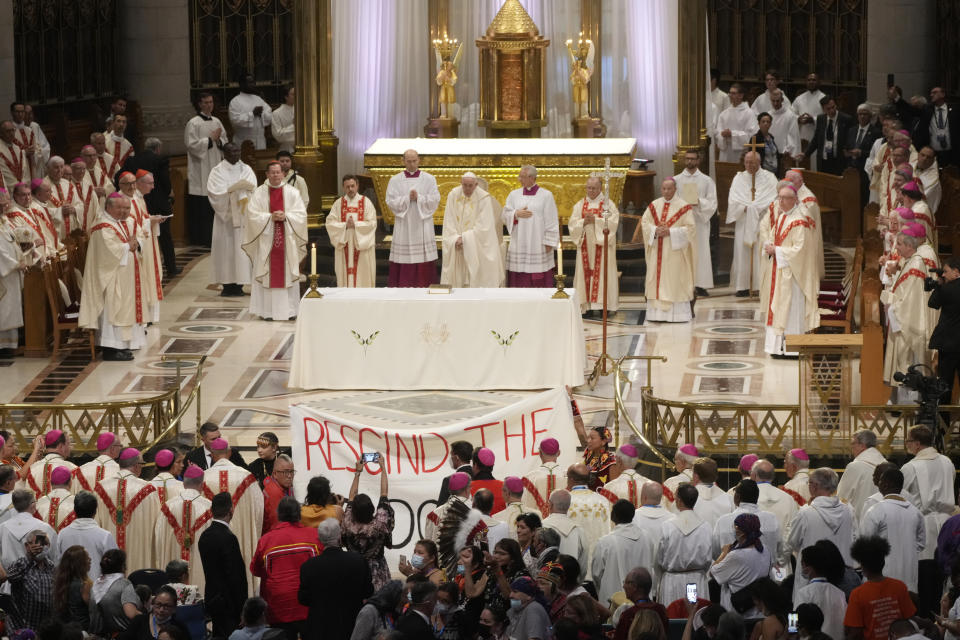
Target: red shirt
<point x="277" y="561"/>
<point x="874" y="605"/>
<point x="494" y="485"/>
<point x="272" y="493"/>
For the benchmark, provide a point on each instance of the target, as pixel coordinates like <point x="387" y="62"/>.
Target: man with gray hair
<point x="471" y="237"/>
<point x="772" y="499"/>
<point x="157" y="199"/>
<point x="413" y="197"/>
<point x="546" y="546"/>
<point x="856" y="484"/>
<point x="530" y="215"/>
<point x="63" y="196"/>
<point x="15" y="529"/>
<point x="573" y="541"/>
<point x="824" y="517"/>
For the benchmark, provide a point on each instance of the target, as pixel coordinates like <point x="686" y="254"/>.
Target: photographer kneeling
<point x="945" y="338"/>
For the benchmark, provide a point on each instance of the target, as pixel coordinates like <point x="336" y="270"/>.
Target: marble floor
<point x="717" y="357"/>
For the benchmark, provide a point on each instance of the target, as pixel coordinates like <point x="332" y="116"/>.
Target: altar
<point x="469" y="339"/>
<point x="563" y="165"/>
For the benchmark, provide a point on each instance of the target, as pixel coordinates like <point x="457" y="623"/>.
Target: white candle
<point x="560" y="256"/>
<point x="313" y="259"/>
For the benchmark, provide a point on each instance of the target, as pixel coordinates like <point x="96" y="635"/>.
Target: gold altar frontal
<point x="563" y="165"/>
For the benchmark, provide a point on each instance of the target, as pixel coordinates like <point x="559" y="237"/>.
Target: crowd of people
<point x="594" y="550"/>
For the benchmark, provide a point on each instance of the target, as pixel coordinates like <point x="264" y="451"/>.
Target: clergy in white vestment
<point x="14" y="164"/>
<point x="588" y="508"/>
<point x="626" y="483"/>
<point x="56" y="508"/>
<point x="63" y="196"/>
<point x="746" y="494"/>
<point x="928" y="483"/>
<point x="573" y="540"/>
<point x="824" y="517"/>
<point x="906" y="305"/>
<point x="104" y="465"/>
<point x="513" y="505"/>
<point x="771" y="499"/>
<point x="912" y="196"/>
<point x="117" y="144"/>
<point x="751" y="193"/>
<point x="686" y="549"/>
<point x="901" y="524"/>
<point x="282" y="125"/>
<point x="57" y="450"/>
<point x="275" y="238"/>
<point x="718" y="97"/>
<point x="812" y="205"/>
<point x="13" y="262"/>
<point x="928" y="174"/>
<point x="700" y="192"/>
<point x="471" y="240"/>
<point x="856" y="483"/>
<point x="669" y="233"/>
<point x="98" y="161"/>
<point x="530" y="215"/>
<point x="131" y="507"/>
<point x="42" y="145"/>
<point x="165" y="481"/>
<point x="807" y="107"/>
<point x="783" y="127"/>
<point x="877" y="497"/>
<point x="831" y="600"/>
<point x="764" y="102"/>
<point x="247" y="521"/>
<point x="713" y="501"/>
<point x="540" y="483"/>
<point x="794" y="284"/>
<point x="590" y="217"/>
<point x="742" y="562"/>
<point x="626" y="547"/>
<point x="17" y="527"/>
<point x="683" y="460"/>
<point x="230" y="184"/>
<point x="735" y="125"/>
<point x="249" y="114"/>
<point x="352" y="227"/>
<point x="796" y="464"/>
<point x="147" y="229"/>
<point x="112" y="304"/>
<point x="182" y="519"/>
<point x="25" y="213"/>
<point x="85" y="532"/>
<point x="204" y="137"/>
<point x="26" y="139"/>
<point x="87" y="202"/>
<point x="413" y="197"/>
<point x="649" y="517"/>
<point x="48" y="216"/>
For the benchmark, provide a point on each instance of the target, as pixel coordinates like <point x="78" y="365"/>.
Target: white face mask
<point x="417" y="561"/>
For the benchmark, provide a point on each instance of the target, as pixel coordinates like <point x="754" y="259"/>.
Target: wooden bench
<point x="839" y="305"/>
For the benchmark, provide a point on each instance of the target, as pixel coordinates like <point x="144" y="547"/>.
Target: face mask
<point x="485" y="630"/>
<point x="416" y="561"/>
<point x="410" y="598"/>
<point x="441" y="609"/>
<point x="460" y="569"/>
<point x="516" y="604"/>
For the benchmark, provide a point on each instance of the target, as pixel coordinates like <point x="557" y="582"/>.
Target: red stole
<point x="142" y="219"/>
<point x="669" y="222"/>
<point x="117" y="160"/>
<point x="278" y="251"/>
<point x="86" y="204"/>
<point x="344" y="212"/>
<point x="123" y="233"/>
<point x="591" y="276"/>
<point x="779" y="235"/>
<point x="14" y="161"/>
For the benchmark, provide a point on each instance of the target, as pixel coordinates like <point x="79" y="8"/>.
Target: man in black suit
<point x="946" y="336"/>
<point x="200" y="456"/>
<point x="333" y="587"/>
<point x="158" y="201"/>
<point x="461" y="452"/>
<point x="829" y="137"/>
<point x="223" y="567"/>
<point x="856" y="148"/>
<point x="939" y="128"/>
<point x="415" y="623"/>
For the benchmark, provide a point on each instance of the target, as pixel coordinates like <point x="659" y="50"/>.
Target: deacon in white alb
<point x="530" y="215"/>
<point x="229" y="187"/>
<point x="352" y="227"/>
<point x="471" y="242"/>
<point x="735" y="125"/>
<point x="204" y="137"/>
<point x="413" y="197"/>
<point x="275" y="238"/>
<point x="588" y="219"/>
<point x="700" y="192"/>
<point x="784" y="126"/>
<point x="669" y="231"/>
<point x="751" y="193"/>
<point x="249" y="114"/>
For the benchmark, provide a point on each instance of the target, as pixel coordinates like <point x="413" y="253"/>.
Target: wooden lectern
<point x="826" y="385"/>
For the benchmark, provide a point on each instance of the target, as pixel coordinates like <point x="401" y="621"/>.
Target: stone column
<point x="902" y="40"/>
<point x="8" y="68"/>
<point x="692" y="81"/>
<point x="154" y="45"/>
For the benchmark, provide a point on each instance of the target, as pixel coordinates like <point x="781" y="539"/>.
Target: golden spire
<point x="512" y="20"/>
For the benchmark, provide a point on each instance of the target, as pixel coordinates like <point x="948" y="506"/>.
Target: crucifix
<point x="753" y="146"/>
<point x="605" y="176"/>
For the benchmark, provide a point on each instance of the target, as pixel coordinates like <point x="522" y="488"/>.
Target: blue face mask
<point x="516" y="604"/>
<point x="416" y="561"/>
<point x="460" y="569"/>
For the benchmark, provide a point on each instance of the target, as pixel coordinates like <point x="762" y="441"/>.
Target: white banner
<point x="418" y="458"/>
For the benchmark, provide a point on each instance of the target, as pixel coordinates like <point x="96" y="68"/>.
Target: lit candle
<point x="313" y="259"/>
<point x="560" y="257"/>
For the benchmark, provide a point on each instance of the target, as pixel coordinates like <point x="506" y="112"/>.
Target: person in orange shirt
<point x="879" y="601"/>
<point x="276" y="486"/>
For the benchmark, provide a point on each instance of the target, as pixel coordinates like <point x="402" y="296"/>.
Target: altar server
<point x="901" y="524"/>
<point x="735" y="125"/>
<point x="669" y="230"/>
<point x="275" y="238"/>
<point x="686" y="549"/>
<point x="856" y="483"/>
<point x="591" y="215"/>
<point x="129" y="508"/>
<point x="249" y="114"/>
<point x="751" y="193"/>
<point x="413" y="197"/>
<point x="204" y="137"/>
<point x="229" y="186"/>
<point x="352" y="227"/>
<point x="471" y="241"/>
<point x="700" y="192"/>
<point x="530" y="215"/>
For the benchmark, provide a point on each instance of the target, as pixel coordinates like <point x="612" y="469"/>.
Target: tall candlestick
<point x="560" y="257"/>
<point x="313" y="258"/>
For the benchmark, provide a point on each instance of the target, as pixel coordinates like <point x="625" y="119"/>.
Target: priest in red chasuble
<point x="669" y="229"/>
<point x="275" y="238"/>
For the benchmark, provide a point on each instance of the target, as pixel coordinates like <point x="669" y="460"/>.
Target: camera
<point x="931" y="389"/>
<point x="929" y="284"/>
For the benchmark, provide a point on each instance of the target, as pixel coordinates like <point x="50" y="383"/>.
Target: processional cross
<point x="753" y="177"/>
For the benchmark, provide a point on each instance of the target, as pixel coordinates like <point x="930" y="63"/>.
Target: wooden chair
<point x="837" y="310"/>
<point x="65" y="319"/>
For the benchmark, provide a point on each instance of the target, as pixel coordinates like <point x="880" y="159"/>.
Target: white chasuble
<point x="203" y="154"/>
<point x="56" y="508"/>
<point x="276" y="249"/>
<point x="102" y="178"/>
<point x="63" y="193"/>
<point x="38" y="475"/>
<point x="700" y="191"/>
<point x="354" y="248"/>
<point x="131" y="507"/>
<point x="742" y="123"/>
<point x="14" y="165"/>
<point x="228" y="189"/>
<point x="477" y="262"/>
<point x="671" y="261"/>
<point x="750" y="195"/>
<point x="908" y="330"/>
<point x="589" y="279"/>
<point x="540" y="483"/>
<point x="414" y="239"/>
<point x="87" y="204"/>
<point x="90" y="473"/>
<point x="533" y="239"/>
<point x="182" y="520"/>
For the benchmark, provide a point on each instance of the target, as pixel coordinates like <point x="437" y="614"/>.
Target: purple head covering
<point x="750" y="525"/>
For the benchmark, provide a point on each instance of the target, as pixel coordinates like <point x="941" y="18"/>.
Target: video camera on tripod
<point x="931" y="389"/>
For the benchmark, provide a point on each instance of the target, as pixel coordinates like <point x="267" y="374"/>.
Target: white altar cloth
<point x="411" y="339"/>
<point x="503" y="146"/>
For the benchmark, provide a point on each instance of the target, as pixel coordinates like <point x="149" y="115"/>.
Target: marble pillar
<point x="154" y="46"/>
<point x="902" y="40"/>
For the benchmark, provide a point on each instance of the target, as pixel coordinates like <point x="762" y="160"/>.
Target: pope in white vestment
<point x="471" y="241"/>
<point x="229" y="186"/>
<point x="751" y="193"/>
<point x="249" y="114"/>
<point x="901" y="524"/>
<point x="735" y="125"/>
<point x="616" y="554"/>
<point x="275" y="238"/>
<point x="700" y="191"/>
<point x="182" y="519"/>
<point x="928" y="484"/>
<point x="352" y="227"/>
<point x="684" y="555"/>
<point x="669" y="231"/>
<point x="588" y="219"/>
<point x="413" y="197"/>
<point x="856" y="482"/>
<point x="530" y="215"/>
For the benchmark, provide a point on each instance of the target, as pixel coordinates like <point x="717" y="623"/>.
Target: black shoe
<point x="743" y="293"/>
<point x="225" y="291"/>
<point x="701" y="292"/>
<point x="173" y="273"/>
<point x="113" y="355"/>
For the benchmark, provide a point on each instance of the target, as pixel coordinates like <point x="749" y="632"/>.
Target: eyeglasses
<point x="288" y="472"/>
